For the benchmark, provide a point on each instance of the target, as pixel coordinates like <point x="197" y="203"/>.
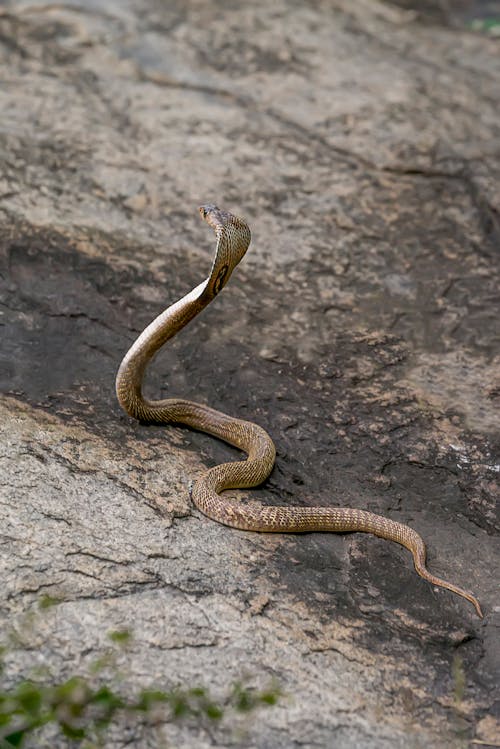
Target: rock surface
<point x="361" y="142"/>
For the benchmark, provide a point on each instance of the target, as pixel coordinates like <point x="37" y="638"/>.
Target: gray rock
<point x="361" y="143"/>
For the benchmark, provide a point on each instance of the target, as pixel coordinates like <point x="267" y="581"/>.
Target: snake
<point x="232" y="241"/>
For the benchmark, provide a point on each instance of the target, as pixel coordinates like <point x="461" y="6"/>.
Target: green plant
<point x="82" y="707"/>
<point x="486" y="25"/>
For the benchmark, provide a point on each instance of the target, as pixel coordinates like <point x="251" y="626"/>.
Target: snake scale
<point x="233" y="238"/>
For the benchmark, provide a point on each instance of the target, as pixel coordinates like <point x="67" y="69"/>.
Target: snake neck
<point x="233" y="238"/>
<point x="164" y="327"/>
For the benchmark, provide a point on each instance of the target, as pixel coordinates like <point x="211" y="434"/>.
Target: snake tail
<point x="255" y="517"/>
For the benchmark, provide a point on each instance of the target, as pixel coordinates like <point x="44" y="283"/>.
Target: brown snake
<point x="233" y="239"/>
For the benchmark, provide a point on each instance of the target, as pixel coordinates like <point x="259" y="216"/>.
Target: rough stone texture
<point x="361" y="141"/>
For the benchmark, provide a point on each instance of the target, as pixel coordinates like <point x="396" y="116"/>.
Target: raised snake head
<point x="233" y="238"/>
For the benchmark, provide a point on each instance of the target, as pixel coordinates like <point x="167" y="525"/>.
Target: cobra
<point x="233" y="238"/>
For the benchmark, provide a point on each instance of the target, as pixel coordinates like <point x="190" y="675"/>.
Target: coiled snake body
<point x="233" y="239"/>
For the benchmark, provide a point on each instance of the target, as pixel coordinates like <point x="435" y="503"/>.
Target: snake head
<point x="214" y="217"/>
<point x="225" y="222"/>
<point x="233" y="238"/>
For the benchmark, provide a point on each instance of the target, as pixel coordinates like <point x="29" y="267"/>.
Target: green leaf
<point x="75" y="689"/>
<point x="269" y="698"/>
<point x="197" y="692"/>
<point x="213" y="711"/>
<point x="5" y="719"/>
<point x="29" y="698"/>
<point x="120" y="636"/>
<point x="107" y="700"/>
<point x="244" y="700"/>
<point x="72" y="732"/>
<point x="179" y="704"/>
<point x="45" y="602"/>
<point x="149" y="697"/>
<point x="15" y="739"/>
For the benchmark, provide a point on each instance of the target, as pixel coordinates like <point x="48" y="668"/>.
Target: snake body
<point x="233" y="239"/>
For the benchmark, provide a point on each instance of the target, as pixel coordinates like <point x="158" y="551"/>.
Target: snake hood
<point x="233" y="239"/>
